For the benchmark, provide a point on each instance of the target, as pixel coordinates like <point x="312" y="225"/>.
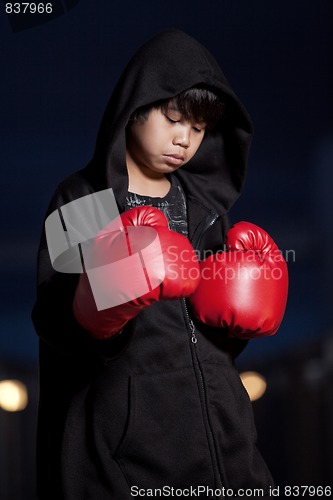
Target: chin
<point x="164" y="169"/>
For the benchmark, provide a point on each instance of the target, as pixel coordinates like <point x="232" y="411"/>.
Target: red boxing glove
<point x="244" y="289"/>
<point x="131" y="264"/>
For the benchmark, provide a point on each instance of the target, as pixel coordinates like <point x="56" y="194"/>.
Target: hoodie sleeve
<point x="52" y="314"/>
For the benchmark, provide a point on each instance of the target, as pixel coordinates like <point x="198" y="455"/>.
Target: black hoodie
<point x="148" y="408"/>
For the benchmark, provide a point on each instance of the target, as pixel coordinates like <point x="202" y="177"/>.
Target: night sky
<point x="57" y="76"/>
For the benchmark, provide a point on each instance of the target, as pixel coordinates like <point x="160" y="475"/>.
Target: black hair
<point x="197" y="103"/>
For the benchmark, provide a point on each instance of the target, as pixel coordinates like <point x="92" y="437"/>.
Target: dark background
<point x="56" y="78"/>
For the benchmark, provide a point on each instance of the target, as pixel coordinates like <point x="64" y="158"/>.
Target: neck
<point x="146" y="182"/>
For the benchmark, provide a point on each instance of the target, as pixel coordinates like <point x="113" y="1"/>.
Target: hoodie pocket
<point x="165" y="441"/>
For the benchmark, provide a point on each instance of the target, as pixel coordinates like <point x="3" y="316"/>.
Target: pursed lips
<point x="175" y="159"/>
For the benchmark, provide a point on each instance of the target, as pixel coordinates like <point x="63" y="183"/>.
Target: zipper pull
<point x="194" y="339"/>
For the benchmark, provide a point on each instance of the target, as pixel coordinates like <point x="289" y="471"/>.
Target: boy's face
<point x="165" y="141"/>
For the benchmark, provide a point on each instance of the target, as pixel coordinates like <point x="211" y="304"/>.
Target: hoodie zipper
<point x="206" y="224"/>
<point x="198" y="370"/>
<point x="203" y="397"/>
<point x="212" y="218"/>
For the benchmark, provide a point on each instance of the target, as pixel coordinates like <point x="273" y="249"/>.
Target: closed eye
<point x="197" y="129"/>
<point x="170" y="120"/>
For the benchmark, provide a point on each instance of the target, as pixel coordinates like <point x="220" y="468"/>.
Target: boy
<point x="144" y="395"/>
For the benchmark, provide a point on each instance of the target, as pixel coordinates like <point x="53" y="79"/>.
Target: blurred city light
<point x="254" y="383"/>
<point x="13" y="395"/>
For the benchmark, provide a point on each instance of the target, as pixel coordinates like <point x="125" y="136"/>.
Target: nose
<point x="182" y="137"/>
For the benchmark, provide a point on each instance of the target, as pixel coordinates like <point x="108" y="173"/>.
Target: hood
<point x="166" y="65"/>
